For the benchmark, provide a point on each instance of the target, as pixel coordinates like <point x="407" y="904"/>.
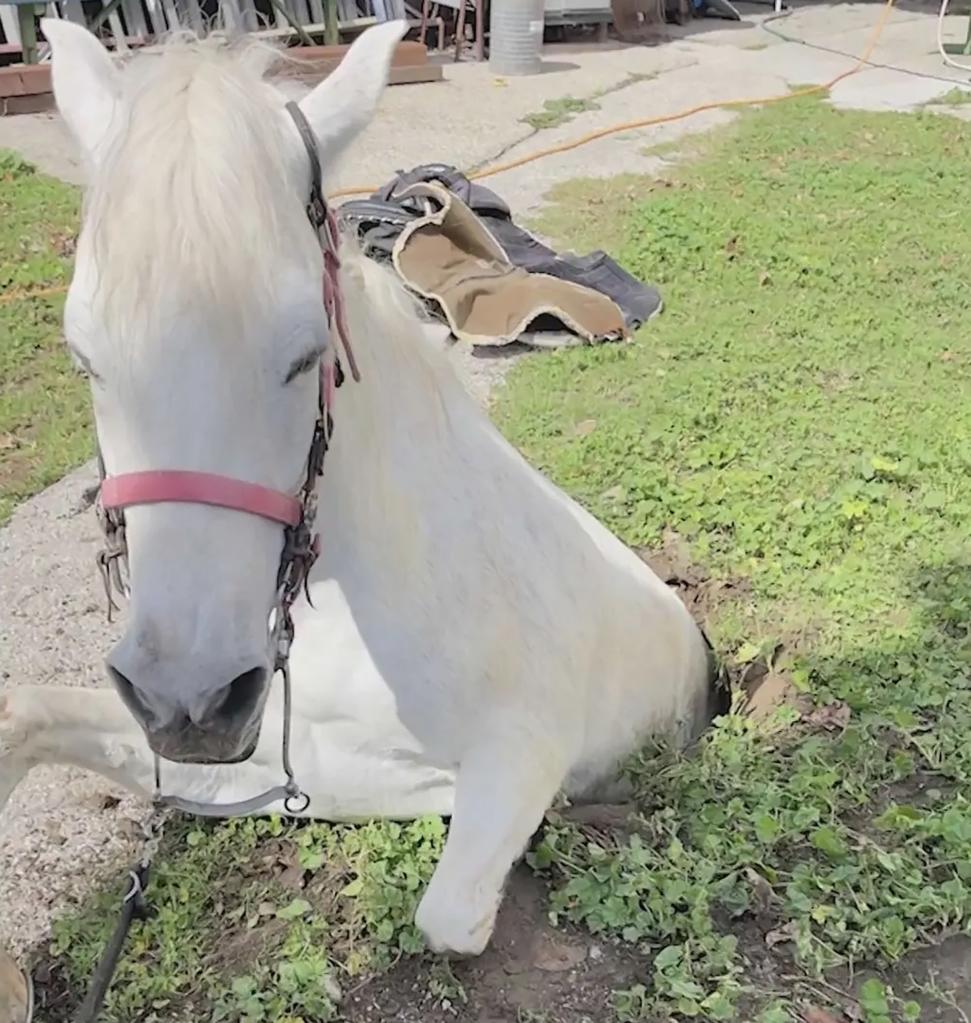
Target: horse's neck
<point x="394" y="437"/>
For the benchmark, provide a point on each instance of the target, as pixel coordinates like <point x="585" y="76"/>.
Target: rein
<point x="296" y="513"/>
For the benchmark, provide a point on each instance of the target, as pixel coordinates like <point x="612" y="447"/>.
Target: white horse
<point x="476" y="642"/>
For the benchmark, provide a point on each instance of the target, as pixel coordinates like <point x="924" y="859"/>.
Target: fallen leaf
<point x="782" y="934"/>
<point x="767" y="694"/>
<point x="64" y="244"/>
<point x="761" y="889"/>
<point x="293" y="877"/>
<point x="14" y="990"/>
<point x="817" y="1015"/>
<point x="833" y="716"/>
<point x="585" y="428"/>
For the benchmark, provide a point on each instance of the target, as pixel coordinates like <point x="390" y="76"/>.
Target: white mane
<point x="193" y="192"/>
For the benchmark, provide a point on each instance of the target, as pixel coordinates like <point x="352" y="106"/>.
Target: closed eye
<point x="302" y="364"/>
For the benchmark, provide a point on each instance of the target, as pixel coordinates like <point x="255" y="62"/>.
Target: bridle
<point x="294" y="512"/>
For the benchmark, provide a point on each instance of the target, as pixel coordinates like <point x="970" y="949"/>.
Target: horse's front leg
<point x="89" y="728"/>
<point x="504" y="788"/>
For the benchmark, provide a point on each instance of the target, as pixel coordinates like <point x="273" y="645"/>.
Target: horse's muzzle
<point x="221" y="728"/>
<point x="195" y="746"/>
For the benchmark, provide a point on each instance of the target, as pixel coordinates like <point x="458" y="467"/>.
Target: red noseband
<point x="182" y="487"/>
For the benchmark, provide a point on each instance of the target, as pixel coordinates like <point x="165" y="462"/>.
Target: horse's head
<point x="196" y="311"/>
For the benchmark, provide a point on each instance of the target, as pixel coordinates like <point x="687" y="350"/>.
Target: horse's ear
<point x="86" y="82"/>
<point x="345" y="101"/>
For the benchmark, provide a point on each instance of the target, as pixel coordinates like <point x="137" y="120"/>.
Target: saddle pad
<point x="449" y="257"/>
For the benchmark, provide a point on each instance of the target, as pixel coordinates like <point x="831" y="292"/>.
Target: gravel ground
<point x="60" y="834"/>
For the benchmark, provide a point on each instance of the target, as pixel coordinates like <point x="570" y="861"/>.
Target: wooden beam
<point x="318" y="28"/>
<point x="307" y="58"/>
<point x="414" y="75"/>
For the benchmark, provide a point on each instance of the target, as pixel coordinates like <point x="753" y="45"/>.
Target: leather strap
<point x="182" y="487"/>
<point x="317" y="206"/>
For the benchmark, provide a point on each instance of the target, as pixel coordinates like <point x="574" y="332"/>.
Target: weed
<point x="445" y="988"/>
<point x="559" y="111"/>
<point x="264" y="917"/>
<point x="956" y="97"/>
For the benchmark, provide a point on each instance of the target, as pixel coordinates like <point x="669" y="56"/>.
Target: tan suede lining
<point x="450" y="257"/>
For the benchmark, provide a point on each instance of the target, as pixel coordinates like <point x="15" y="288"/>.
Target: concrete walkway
<point x="64" y="832"/>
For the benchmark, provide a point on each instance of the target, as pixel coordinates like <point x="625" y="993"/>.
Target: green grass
<point x="799" y="415"/>
<point x="258" y="921"/>
<point x="670" y="147"/>
<point x="956" y="97"/>
<point x="44" y="413"/>
<point x="562" y="110"/>
<point x="559" y="111"/>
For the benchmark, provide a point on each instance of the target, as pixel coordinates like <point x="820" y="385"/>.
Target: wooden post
<point x="28" y="32"/>
<point x="332" y="34"/>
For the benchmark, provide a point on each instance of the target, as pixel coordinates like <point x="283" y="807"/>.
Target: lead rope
<point x="134" y="906"/>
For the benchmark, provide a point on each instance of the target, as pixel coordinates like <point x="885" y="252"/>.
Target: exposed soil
<point x="529" y="969"/>
<point x="766" y="685"/>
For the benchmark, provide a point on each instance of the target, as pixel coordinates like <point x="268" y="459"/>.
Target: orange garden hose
<point x="649" y="122"/>
<point x="565" y="147"/>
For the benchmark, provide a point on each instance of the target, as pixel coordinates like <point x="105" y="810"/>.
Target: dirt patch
<point x="763" y="681"/>
<point x="55" y="997"/>
<point x="530" y="972"/>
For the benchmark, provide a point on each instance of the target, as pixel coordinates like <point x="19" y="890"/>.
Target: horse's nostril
<point x="188" y="721"/>
<point x="135" y="702"/>
<point x="237" y="701"/>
